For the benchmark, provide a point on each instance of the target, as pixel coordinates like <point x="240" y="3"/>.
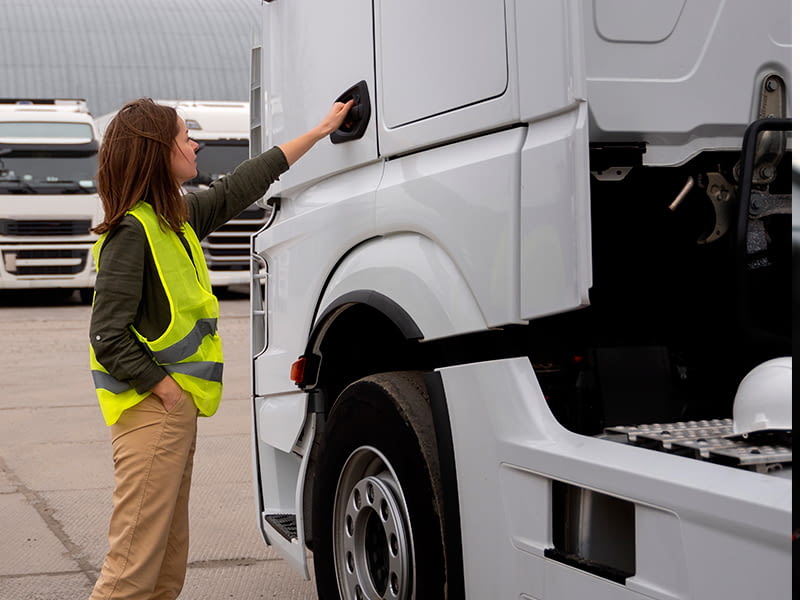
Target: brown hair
<point x="134" y="164"/>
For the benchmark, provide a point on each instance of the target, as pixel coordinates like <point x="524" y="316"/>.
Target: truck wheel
<point x="86" y="295"/>
<point x="377" y="522"/>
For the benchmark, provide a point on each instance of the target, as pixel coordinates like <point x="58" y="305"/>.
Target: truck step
<point x="283" y="523"/>
<point x="710" y="440"/>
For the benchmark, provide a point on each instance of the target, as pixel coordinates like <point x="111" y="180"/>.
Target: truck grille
<point x="710" y="440"/>
<point x="35" y="227"/>
<point x="228" y="247"/>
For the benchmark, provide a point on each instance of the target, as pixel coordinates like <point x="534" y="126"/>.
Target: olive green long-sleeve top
<point x="128" y="290"/>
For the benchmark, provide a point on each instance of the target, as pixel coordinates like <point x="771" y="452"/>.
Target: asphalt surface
<point x="56" y="472"/>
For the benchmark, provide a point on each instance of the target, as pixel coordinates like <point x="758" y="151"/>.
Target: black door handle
<point x="357" y="119"/>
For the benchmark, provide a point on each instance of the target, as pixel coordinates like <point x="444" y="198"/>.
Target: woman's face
<point x="184" y="162"/>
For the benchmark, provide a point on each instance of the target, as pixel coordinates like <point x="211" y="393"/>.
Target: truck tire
<point x="378" y="525"/>
<point x="86" y="295"/>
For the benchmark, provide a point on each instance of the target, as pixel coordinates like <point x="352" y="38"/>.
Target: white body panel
<point x="554" y="80"/>
<point x="422" y="198"/>
<point x="718" y="521"/>
<point x="292" y="263"/>
<point x="464" y="198"/>
<point x="652" y="57"/>
<point x="396" y="266"/>
<point x="336" y="41"/>
<point x="555" y="263"/>
<point x="445" y="46"/>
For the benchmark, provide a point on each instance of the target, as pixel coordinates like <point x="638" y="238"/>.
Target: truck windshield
<point x="24" y="131"/>
<point x="215" y="159"/>
<point x="45" y="172"/>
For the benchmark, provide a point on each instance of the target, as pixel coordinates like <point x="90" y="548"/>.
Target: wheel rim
<point x="373" y="553"/>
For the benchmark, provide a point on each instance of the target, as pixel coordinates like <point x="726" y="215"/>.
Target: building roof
<point x="112" y="51"/>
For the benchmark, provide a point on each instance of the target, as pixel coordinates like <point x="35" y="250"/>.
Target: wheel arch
<point x="381" y="303"/>
<point x="361" y="333"/>
<point x="382" y="300"/>
<point x="412" y="279"/>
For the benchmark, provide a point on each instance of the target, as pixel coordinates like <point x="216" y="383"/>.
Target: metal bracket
<point x="721" y="194"/>
<point x="763" y="205"/>
<point x="771" y="144"/>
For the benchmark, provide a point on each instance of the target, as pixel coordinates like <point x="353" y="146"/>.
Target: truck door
<point x="482" y="106"/>
<point x="316" y="51"/>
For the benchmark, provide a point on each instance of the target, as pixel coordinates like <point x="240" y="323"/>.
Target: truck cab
<point x="48" y="162"/>
<point x="522" y="327"/>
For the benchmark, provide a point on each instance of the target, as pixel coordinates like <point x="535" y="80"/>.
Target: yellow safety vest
<point x="190" y="349"/>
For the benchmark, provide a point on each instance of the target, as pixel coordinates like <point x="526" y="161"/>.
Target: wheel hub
<point x="372" y="552"/>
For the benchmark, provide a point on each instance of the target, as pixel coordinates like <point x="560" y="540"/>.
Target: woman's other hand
<point x="169" y="392"/>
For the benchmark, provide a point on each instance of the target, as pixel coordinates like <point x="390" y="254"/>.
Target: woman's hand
<point x="297" y="147"/>
<point x="334" y="119"/>
<point x="169" y="392"/>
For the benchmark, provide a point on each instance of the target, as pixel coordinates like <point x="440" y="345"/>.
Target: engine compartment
<point x="679" y="314"/>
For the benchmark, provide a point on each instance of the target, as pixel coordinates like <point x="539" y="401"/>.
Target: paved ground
<point x="56" y="472"/>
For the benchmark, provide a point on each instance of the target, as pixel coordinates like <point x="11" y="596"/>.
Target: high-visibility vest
<point x="190" y="349"/>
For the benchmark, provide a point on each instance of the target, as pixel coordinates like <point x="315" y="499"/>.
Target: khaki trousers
<point x="148" y="536"/>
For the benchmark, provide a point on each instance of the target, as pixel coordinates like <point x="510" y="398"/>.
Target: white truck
<point x="222" y="130"/>
<point x="48" y="198"/>
<point x="523" y="328"/>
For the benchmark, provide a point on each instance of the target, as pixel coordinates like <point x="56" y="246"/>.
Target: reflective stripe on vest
<point x="189" y="349"/>
<point x="184" y="348"/>
<point x="210" y="371"/>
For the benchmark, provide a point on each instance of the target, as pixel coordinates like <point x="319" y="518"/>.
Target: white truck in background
<point x="222" y="130"/>
<point x="48" y="198"/>
<point x="523" y="328"/>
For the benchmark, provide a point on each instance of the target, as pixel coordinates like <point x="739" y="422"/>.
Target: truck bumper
<point x="41" y="266"/>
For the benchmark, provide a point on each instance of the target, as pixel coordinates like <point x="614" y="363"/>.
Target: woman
<point x="155" y="353"/>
